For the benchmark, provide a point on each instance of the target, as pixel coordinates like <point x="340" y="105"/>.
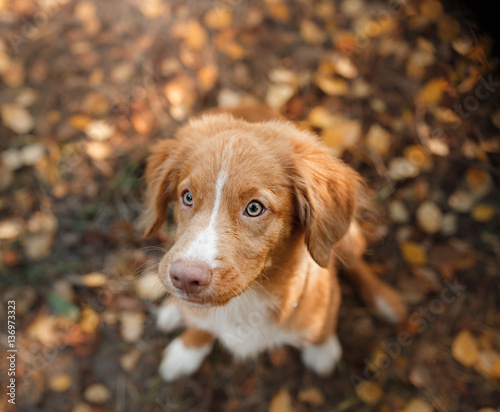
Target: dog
<point x="265" y="216"/>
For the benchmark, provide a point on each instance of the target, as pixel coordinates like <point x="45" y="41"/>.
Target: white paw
<point x="168" y="318"/>
<point x="323" y="358"/>
<point x="178" y="360"/>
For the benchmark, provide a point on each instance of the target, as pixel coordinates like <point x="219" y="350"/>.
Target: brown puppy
<point x="265" y="215"/>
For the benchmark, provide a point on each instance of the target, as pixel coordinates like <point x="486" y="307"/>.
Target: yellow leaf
<point x="89" y="320"/>
<point x="312" y="395"/>
<point x="432" y="92"/>
<point x="196" y="36"/>
<point x="369" y="392"/>
<point x="79" y="121"/>
<point x="413" y="253"/>
<point x="60" y="382"/>
<point x="483" y="213"/>
<point x="94" y="279"/>
<point x="465" y="349"/>
<point x="218" y="18"/>
<point x="332" y="86"/>
<point x="279" y="11"/>
<point x="282" y="402"/>
<point x="417" y="405"/>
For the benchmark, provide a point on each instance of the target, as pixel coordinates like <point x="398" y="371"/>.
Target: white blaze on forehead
<point x="204" y="247"/>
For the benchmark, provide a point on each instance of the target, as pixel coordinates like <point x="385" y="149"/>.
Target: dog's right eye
<point x="187" y="199"/>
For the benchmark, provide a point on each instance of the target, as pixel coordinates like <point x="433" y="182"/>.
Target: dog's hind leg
<point x="381" y="298"/>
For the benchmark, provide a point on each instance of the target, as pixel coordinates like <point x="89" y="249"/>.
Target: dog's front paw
<point x="179" y="360"/>
<point x="169" y="318"/>
<point x="323" y="358"/>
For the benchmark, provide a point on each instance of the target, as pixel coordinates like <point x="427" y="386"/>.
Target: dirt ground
<point x="404" y="91"/>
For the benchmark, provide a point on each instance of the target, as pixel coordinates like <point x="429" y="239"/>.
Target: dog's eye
<point x="187" y="199"/>
<point x="254" y="209"/>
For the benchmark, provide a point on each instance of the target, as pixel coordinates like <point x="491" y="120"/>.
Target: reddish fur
<point x="313" y="198"/>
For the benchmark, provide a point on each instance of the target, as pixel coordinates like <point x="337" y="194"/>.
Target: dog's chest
<point x="246" y="325"/>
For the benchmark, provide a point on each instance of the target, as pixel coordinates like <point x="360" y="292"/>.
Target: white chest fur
<point x="246" y="325"/>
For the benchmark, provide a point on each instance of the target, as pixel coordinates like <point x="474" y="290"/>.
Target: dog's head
<point x="245" y="193"/>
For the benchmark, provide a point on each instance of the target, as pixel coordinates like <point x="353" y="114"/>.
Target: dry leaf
<point x="370" y="393"/>
<point x="311" y="33"/>
<point x="60" y="382"/>
<point x="429" y="217"/>
<point x="129" y="361"/>
<point x="16" y="118"/>
<point x="413" y="253"/>
<point x="132" y="325"/>
<point x="398" y="212"/>
<point x="448" y="28"/>
<point x="332" y="86"/>
<point x="483" y="213"/>
<point x="431" y="9"/>
<point x="432" y="92"/>
<point x="282" y="402"/>
<point x="218" y="18"/>
<point x="89" y="320"/>
<point x="312" y="396"/>
<point x="418" y="405"/>
<point x="465" y="349"/>
<point x="378" y="139"/>
<point x="97" y="393"/>
<point x="79" y="121"/>
<point x="94" y="279"/>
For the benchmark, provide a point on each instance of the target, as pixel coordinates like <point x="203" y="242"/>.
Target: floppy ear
<point x="326" y="192"/>
<point x="161" y="178"/>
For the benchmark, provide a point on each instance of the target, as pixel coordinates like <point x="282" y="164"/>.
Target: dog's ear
<point x="326" y="196"/>
<point x="162" y="176"/>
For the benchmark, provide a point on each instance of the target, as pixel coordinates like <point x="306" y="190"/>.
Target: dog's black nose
<point x="192" y="277"/>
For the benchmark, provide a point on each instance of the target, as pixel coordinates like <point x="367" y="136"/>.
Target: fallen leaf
<point x="418" y="405"/>
<point x="483" y="213"/>
<point x="94" y="279"/>
<point x="465" y="349"/>
<point x="378" y="139"/>
<point x="16" y="118"/>
<point x="132" y="325"/>
<point x="432" y="92"/>
<point x="97" y="393"/>
<point x="312" y="395"/>
<point x="218" y="18"/>
<point x="311" y="33"/>
<point x="89" y="320"/>
<point x="60" y="382"/>
<point x="332" y="86"/>
<point x="370" y="393"/>
<point x="429" y="217"/>
<point x="431" y="9"/>
<point x="413" y="253"/>
<point x="282" y="402"/>
<point x="79" y="121"/>
<point x="448" y="28"/>
<point x="129" y="361"/>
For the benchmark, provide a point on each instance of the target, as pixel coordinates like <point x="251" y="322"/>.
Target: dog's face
<point x="244" y="191"/>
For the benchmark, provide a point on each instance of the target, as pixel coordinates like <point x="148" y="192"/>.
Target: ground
<point x="404" y="91"/>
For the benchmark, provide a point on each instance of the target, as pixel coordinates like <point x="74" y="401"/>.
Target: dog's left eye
<point x="254" y="209"/>
<point x="187" y="199"/>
